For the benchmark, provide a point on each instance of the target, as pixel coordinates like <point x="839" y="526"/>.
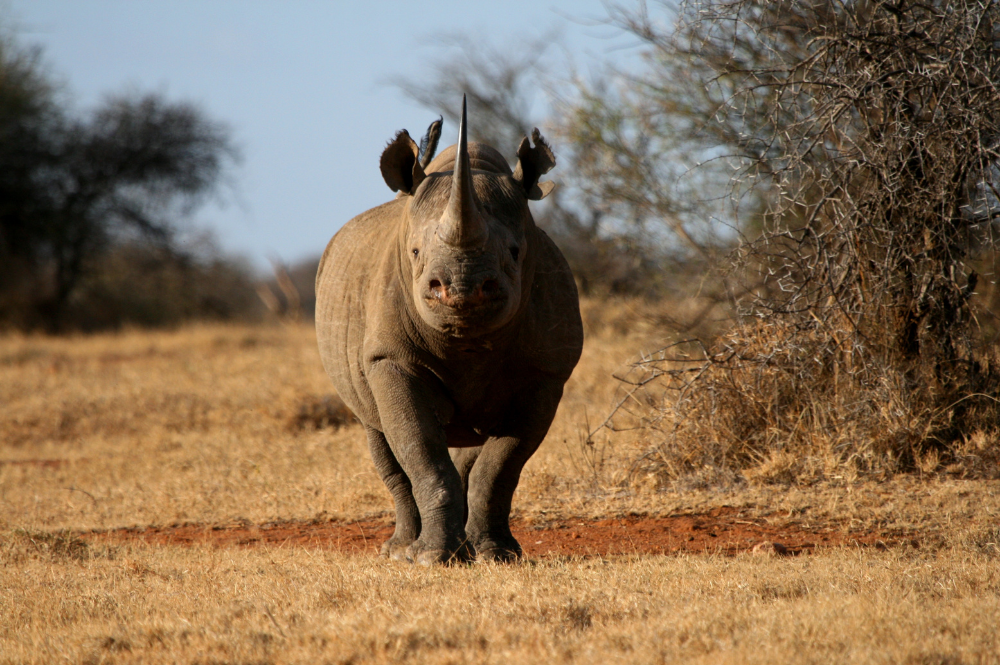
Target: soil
<point x="725" y="530"/>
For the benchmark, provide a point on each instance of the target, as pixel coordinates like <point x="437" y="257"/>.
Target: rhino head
<point x="466" y="233"/>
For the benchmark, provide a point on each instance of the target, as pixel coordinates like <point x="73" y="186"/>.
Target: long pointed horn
<point x="462" y="225"/>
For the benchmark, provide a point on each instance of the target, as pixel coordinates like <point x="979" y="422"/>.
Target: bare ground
<point x="725" y="530"/>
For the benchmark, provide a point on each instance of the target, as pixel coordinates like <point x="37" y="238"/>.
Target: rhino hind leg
<point x="491" y="484"/>
<point x="407" y="515"/>
<point x="464" y="459"/>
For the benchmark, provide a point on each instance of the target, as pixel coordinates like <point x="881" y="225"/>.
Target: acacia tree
<point x="862" y="138"/>
<point x="27" y="110"/>
<point x="71" y="187"/>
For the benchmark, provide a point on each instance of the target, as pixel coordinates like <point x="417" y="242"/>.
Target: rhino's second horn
<point x="462" y="225"/>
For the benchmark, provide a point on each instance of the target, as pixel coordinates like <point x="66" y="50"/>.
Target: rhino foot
<point x="395" y="549"/>
<point x="423" y="555"/>
<point x="495" y="551"/>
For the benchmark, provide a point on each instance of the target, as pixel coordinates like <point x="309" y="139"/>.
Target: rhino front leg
<point x="407" y="515"/>
<point x="417" y="440"/>
<point x="497" y="470"/>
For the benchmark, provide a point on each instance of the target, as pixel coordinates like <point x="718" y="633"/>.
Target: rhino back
<point x="343" y="280"/>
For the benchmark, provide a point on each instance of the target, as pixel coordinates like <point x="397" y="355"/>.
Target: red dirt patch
<point x="723" y="530"/>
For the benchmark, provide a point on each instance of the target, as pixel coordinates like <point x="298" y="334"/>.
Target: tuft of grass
<point x="19" y="545"/>
<point x="328" y="411"/>
<point x="985" y="541"/>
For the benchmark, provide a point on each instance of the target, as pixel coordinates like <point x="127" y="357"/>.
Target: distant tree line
<point x="91" y="205"/>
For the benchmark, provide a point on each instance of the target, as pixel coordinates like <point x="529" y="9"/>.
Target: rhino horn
<point x="462" y="225"/>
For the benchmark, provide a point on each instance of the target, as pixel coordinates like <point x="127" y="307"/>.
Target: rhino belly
<point x="460" y="436"/>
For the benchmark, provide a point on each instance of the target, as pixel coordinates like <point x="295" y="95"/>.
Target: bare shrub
<point x="139" y="284"/>
<point x="868" y="143"/>
<point x="290" y="295"/>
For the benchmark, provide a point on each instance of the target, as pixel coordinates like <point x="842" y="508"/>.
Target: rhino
<point x="449" y="323"/>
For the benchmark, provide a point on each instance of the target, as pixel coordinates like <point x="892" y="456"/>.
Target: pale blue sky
<point x="302" y="84"/>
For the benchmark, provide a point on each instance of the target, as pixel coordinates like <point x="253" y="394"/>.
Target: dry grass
<point x="219" y="423"/>
<point x="205" y="424"/>
<point x="164" y="427"/>
<point x="161" y="605"/>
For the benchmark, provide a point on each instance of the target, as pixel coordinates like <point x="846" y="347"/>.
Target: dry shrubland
<point x="864" y="195"/>
<point x="217" y="423"/>
<point x="774" y="404"/>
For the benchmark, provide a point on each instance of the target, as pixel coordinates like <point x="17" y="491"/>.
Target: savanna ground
<point x="182" y="497"/>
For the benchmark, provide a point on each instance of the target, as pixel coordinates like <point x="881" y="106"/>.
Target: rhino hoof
<point x="418" y="553"/>
<point x="432" y="557"/>
<point x="395" y="549"/>
<point x="493" y="552"/>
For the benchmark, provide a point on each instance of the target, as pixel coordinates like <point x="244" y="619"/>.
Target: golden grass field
<point x="198" y="425"/>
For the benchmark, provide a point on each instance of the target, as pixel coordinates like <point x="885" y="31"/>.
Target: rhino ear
<point x="532" y="163"/>
<point x="429" y="144"/>
<point x="400" y="165"/>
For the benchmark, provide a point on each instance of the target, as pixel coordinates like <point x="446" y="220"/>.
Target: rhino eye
<point x="515" y="251"/>
<point x="416" y="252"/>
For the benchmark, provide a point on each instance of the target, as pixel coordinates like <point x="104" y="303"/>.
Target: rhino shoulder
<point x="361" y="235"/>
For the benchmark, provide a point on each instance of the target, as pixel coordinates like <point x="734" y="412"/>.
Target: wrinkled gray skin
<point x="447" y="320"/>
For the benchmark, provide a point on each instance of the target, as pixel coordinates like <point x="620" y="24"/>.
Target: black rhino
<point x="449" y="324"/>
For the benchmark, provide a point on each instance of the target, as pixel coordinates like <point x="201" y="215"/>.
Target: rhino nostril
<point x="438" y="289"/>
<point x="491" y="287"/>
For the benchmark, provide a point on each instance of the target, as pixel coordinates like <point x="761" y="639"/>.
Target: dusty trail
<point x="723" y="530"/>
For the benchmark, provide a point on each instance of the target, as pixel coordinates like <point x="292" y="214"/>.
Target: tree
<point x="863" y="137"/>
<point x="27" y="110"/>
<point x="73" y="187"/>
